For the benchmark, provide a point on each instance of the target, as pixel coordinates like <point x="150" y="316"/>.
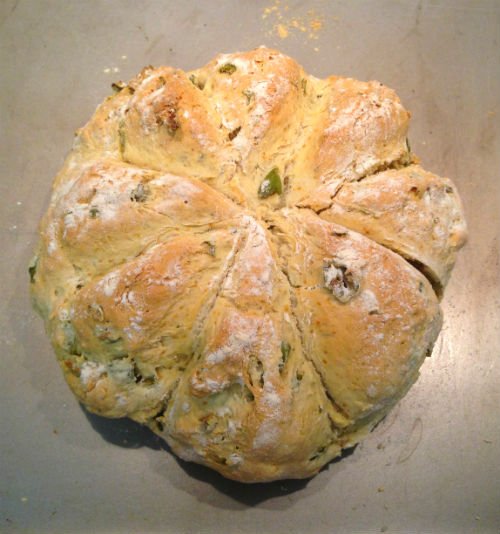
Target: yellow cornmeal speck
<point x="282" y="31"/>
<point x="284" y="26"/>
<point x="315" y="24"/>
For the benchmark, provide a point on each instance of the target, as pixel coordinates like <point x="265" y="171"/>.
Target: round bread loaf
<point x="248" y="260"/>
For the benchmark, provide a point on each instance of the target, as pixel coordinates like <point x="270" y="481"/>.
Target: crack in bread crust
<point x="293" y="299"/>
<point x="210" y="303"/>
<point x="335" y="405"/>
<point x="403" y="161"/>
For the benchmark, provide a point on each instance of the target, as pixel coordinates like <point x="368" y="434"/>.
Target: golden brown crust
<point x="224" y="260"/>
<point x="167" y="126"/>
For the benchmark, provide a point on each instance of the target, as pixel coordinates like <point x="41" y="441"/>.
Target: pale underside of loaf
<point x="258" y="334"/>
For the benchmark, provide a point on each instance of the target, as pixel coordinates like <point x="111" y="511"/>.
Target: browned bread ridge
<point x="248" y="260"/>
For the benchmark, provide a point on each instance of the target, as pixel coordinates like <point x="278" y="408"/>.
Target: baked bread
<point x="248" y="260"/>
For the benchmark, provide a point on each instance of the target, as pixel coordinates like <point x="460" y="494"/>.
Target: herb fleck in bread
<point x="248" y="260"/>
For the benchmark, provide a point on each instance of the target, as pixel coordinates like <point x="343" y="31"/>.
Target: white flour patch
<point x="253" y="272"/>
<point x="234" y="459"/>
<point x="223" y="411"/>
<point x="242" y="144"/>
<point x="369" y="300"/>
<point x="52" y="237"/>
<point x="219" y="355"/>
<point x="109" y="284"/>
<point x="63" y="314"/>
<point x="185" y="189"/>
<point x="91" y="371"/>
<point x="267" y="435"/>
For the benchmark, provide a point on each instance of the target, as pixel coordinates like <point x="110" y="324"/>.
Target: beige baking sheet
<point x="434" y="464"/>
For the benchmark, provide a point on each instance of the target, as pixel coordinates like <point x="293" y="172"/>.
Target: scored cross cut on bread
<point x="247" y="259"/>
